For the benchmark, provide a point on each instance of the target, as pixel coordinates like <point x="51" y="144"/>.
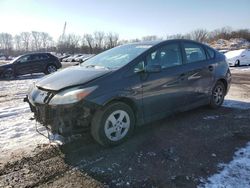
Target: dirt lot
<point x="178" y="151"/>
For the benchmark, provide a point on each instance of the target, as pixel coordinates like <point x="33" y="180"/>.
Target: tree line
<point x="99" y="41"/>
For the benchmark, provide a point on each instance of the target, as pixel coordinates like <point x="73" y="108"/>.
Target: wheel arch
<point x="223" y="80"/>
<point x="138" y="112"/>
<point x="125" y="100"/>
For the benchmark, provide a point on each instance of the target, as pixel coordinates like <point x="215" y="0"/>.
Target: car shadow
<point x="25" y="77"/>
<point x="173" y="152"/>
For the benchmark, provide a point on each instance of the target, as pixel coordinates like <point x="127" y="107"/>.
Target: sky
<point x="129" y="18"/>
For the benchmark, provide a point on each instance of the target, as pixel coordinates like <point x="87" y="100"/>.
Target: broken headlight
<point x="71" y="95"/>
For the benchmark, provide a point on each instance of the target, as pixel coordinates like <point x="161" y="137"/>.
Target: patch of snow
<point x="18" y="133"/>
<point x="234" y="174"/>
<point x="236" y="104"/>
<point x="242" y="68"/>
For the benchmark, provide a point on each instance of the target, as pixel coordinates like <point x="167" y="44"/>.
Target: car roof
<point x="36" y="53"/>
<point x="153" y="43"/>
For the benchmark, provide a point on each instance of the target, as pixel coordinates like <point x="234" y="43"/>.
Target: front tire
<point x="218" y="95"/>
<point x="237" y="63"/>
<point x="9" y="74"/>
<point x="113" y="124"/>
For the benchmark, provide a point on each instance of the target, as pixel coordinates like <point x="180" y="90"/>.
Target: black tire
<point x="9" y="74"/>
<point x="100" y="120"/>
<point x="50" y="69"/>
<point x="237" y="63"/>
<point x="218" y="95"/>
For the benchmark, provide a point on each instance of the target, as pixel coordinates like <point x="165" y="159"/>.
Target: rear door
<point x="199" y="72"/>
<point x="164" y="91"/>
<point x="39" y="61"/>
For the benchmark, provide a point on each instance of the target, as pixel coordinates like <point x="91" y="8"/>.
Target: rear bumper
<point x="65" y="120"/>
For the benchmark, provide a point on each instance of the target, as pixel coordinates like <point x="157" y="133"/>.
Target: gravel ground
<point x="180" y="151"/>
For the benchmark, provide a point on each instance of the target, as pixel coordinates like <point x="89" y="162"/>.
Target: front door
<point x="23" y="65"/>
<point x="164" y="91"/>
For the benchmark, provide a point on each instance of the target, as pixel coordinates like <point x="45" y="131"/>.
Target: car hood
<point x="6" y="65"/>
<point x="71" y="76"/>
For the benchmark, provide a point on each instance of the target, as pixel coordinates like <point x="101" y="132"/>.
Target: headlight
<point x="70" y="96"/>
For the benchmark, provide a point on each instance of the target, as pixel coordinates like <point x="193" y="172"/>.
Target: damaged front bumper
<point x="65" y="120"/>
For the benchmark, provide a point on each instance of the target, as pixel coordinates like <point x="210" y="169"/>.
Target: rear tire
<point x="218" y="95"/>
<point x="50" y="69"/>
<point x="113" y="124"/>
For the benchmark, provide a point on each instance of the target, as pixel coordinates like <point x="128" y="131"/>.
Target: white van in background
<point x="238" y="57"/>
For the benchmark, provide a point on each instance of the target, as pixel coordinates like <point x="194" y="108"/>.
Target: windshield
<point x="12" y="61"/>
<point x="116" y="57"/>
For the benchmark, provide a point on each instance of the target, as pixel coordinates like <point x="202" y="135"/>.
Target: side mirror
<point x="140" y="67"/>
<point x="153" y="68"/>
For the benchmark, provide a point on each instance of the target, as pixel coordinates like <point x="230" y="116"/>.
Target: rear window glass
<point x="194" y="52"/>
<point x="44" y="56"/>
<point x="211" y="53"/>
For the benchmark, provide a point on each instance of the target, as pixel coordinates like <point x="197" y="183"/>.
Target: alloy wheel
<point x="51" y="69"/>
<point x="117" y="125"/>
<point x="218" y="95"/>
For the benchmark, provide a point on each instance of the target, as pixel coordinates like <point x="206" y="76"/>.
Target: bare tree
<point x="200" y="35"/>
<point x="45" y="39"/>
<point x="99" y="38"/>
<point x="74" y="40"/>
<point x="223" y="33"/>
<point x="25" y="38"/>
<point x="6" y="42"/>
<point x="112" y="40"/>
<point x="18" y="42"/>
<point x="175" y="36"/>
<point x="150" y="38"/>
<point x="90" y="41"/>
<point x="36" y="40"/>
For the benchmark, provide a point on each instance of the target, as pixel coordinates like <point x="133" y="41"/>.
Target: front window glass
<point x="116" y="57"/>
<point x="166" y="56"/>
<point x="24" y="59"/>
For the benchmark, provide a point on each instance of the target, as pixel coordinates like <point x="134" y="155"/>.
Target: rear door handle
<point x="210" y="68"/>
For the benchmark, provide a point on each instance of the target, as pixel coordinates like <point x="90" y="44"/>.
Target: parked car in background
<point x="238" y="57"/>
<point x="72" y="58"/>
<point x="63" y="57"/>
<point x="3" y="57"/>
<point x="82" y="56"/>
<point x="30" y="63"/>
<point x="86" y="57"/>
<point x="128" y="86"/>
<point x="223" y="51"/>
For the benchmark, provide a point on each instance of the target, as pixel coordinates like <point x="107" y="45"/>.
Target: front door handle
<point x="210" y="68"/>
